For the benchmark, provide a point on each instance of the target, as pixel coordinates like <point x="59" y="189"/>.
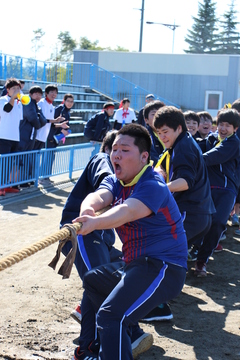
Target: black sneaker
<point x="84" y="355"/>
<point x="160" y="313"/>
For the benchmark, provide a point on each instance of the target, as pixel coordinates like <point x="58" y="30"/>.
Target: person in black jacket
<point x="149" y="111"/>
<point x="221" y="153"/>
<point x="185" y="172"/>
<point x="98" y="125"/>
<point x="33" y="119"/>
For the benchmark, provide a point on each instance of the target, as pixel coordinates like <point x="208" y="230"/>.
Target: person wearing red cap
<point x="98" y="125"/>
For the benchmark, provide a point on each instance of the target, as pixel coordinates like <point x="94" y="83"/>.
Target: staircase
<point x="86" y="104"/>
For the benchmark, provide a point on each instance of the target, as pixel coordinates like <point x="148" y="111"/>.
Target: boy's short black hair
<point x="141" y="136"/>
<point x="125" y="100"/>
<point x="66" y="96"/>
<point x="12" y="82"/>
<point x="153" y="105"/>
<point x="22" y="82"/>
<point x="205" y="115"/>
<point x="230" y="116"/>
<point x="236" y="105"/>
<point x="51" y="87"/>
<point x="108" y="140"/>
<point x="191" y="115"/>
<point x="171" y="117"/>
<point x="35" y="89"/>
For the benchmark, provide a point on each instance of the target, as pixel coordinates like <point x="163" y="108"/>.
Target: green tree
<point x="229" y="36"/>
<point x="86" y="44"/>
<point x="37" y="40"/>
<point x="67" y="45"/>
<point x="203" y="36"/>
<point x="120" y="48"/>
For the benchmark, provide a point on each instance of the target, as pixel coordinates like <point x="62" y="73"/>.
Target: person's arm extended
<point x="9" y="106"/>
<point x="130" y="210"/>
<point x="178" y="185"/>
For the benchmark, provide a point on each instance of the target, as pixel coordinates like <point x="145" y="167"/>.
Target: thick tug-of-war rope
<point x="39" y="245"/>
<point x="66" y="233"/>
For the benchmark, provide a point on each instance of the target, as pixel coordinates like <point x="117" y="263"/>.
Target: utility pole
<point x="141" y="27"/>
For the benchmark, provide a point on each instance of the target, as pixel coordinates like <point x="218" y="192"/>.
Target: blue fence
<point x="23" y="167"/>
<point x="75" y="74"/>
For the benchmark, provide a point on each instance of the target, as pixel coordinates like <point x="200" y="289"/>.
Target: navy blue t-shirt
<point x="160" y="235"/>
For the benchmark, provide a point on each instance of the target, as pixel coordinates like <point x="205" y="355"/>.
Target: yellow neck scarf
<point x="137" y="177"/>
<point x="168" y="157"/>
<point x="221" y="140"/>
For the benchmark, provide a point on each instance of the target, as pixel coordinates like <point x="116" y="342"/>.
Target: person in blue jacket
<point x="185" y="172"/>
<point x="148" y="222"/>
<point x="98" y="125"/>
<point x="95" y="249"/>
<point x="33" y="119"/>
<point x="221" y="153"/>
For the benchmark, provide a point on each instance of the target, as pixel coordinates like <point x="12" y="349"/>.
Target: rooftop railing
<point x="76" y="74"/>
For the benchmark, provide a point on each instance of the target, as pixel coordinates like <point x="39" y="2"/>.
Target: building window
<point x="213" y="102"/>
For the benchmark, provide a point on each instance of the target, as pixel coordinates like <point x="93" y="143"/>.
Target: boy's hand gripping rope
<point x="66" y="233"/>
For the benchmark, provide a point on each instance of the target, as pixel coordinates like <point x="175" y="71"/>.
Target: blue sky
<point x="113" y="23"/>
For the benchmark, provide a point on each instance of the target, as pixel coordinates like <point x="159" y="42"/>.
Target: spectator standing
<point x="33" y="119"/>
<point x="124" y="115"/>
<point x="48" y="110"/>
<point x="11" y="112"/>
<point x="141" y="121"/>
<point x="63" y="110"/>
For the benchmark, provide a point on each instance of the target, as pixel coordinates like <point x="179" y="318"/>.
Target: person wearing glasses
<point x="205" y="125"/>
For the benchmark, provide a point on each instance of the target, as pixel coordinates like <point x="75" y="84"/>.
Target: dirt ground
<point x="36" y="303"/>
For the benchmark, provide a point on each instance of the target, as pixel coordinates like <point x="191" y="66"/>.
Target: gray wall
<point x="182" y="79"/>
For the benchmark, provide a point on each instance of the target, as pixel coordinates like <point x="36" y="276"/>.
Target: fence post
<point x="135" y="106"/>
<point x="71" y="162"/>
<point x="44" y="72"/>
<point x="1" y="65"/>
<point x="92" y="76"/>
<point x="21" y="68"/>
<point x="37" y="168"/>
<point x="35" y="72"/>
<point x="113" y="86"/>
<point x="5" y="67"/>
<point x="96" y="149"/>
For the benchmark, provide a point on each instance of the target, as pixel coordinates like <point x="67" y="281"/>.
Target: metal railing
<point x="76" y="74"/>
<point x="30" y="166"/>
